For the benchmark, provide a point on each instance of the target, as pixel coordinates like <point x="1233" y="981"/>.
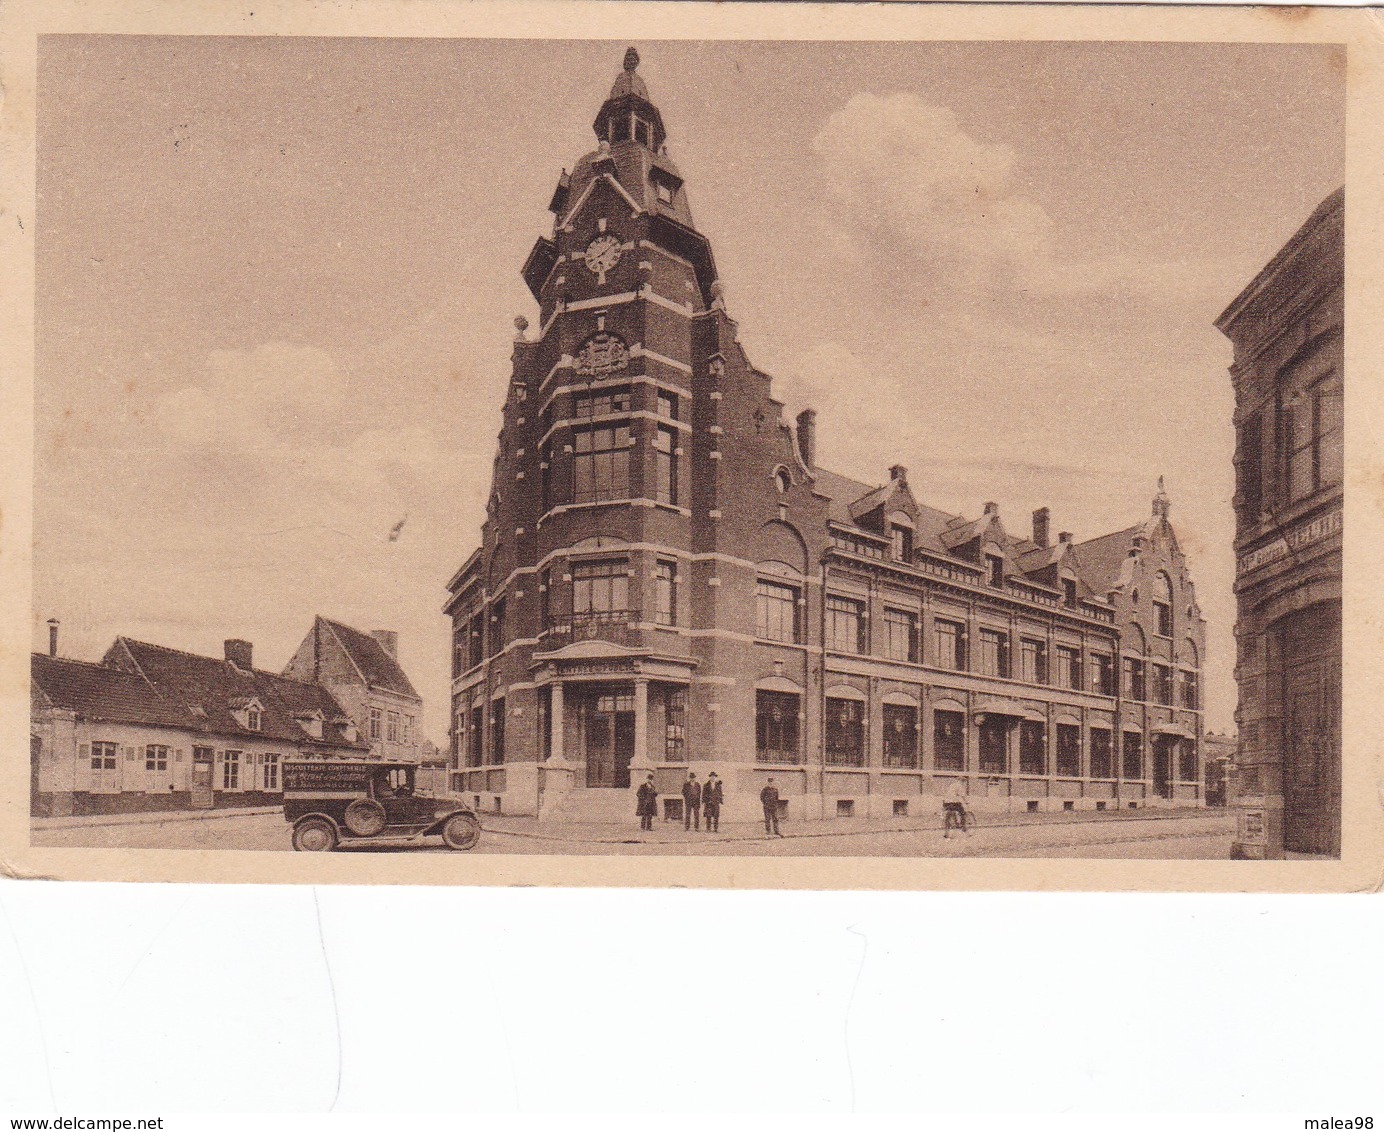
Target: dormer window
<point x="664" y="192"/>
<point x="994" y="563"/>
<point x="902" y="542"/>
<point x="252" y="718"/>
<point x="1069" y="592"/>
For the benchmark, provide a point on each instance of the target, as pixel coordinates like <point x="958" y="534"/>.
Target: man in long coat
<point x="769" y="798"/>
<point x="713" y="793"/>
<point x="646" y="803"/>
<point x="691" y="802"/>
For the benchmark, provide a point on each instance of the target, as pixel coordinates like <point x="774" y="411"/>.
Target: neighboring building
<point x="1287" y="329"/>
<point x="1218" y="753"/>
<point x="153" y="728"/>
<point x="362" y="671"/>
<point x="669" y="580"/>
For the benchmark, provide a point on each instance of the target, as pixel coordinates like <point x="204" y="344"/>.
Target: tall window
<point x="545" y="475"/>
<point x="1068" y="750"/>
<point x="994" y="566"/>
<point x="1163" y="605"/>
<point x="994" y="745"/>
<point x="271" y="772"/>
<point x="949" y="644"/>
<point x="392" y="727"/>
<point x="845" y="732"/>
<point x="1068" y="667"/>
<point x="776" y="612"/>
<point x="545" y="599"/>
<point x="667" y="405"/>
<point x="473" y="739"/>
<point x="900" y="735"/>
<point x="948" y="740"/>
<point x="1191" y="694"/>
<point x="600" y="587"/>
<point x="901" y="635"/>
<point x="1102" y="764"/>
<point x="1033" y="748"/>
<point x="675" y="726"/>
<point x="1251" y="468"/>
<point x="665" y="467"/>
<point x="458" y="648"/>
<point x="845" y="624"/>
<point x="230" y="771"/>
<point x="601" y="464"/>
<point x="155" y="757"/>
<point x="902" y="542"/>
<point x="776" y="727"/>
<point x="497" y="627"/>
<point x="376" y="723"/>
<point x="1163" y="684"/>
<point x="1134" y="679"/>
<point x="1311" y="436"/>
<point x="666" y="592"/>
<point x="1033" y="661"/>
<point x="497" y="731"/>
<point x="1187" y="761"/>
<point x="602" y="403"/>
<point x="1103" y="673"/>
<point x="477" y="631"/>
<point x="1133" y="754"/>
<point x="994" y="652"/>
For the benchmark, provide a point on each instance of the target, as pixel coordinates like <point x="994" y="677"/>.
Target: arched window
<point x="1163" y="605"/>
<point x="782" y="480"/>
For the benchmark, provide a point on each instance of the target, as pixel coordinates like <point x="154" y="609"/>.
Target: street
<point x="1184" y="835"/>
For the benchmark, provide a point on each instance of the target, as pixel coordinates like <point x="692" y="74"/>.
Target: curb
<point x="149" y="817"/>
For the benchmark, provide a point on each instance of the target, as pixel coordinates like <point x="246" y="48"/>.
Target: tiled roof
<point x="1099" y="561"/>
<point x="214" y="686"/>
<point x="101" y="692"/>
<point x="379" y="668"/>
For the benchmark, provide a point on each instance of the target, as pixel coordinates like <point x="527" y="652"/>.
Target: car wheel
<point x="365" y="817"/>
<point x="314" y="835"/>
<point x="462" y="831"/>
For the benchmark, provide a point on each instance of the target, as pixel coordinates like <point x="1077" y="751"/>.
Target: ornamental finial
<point x="631" y="59"/>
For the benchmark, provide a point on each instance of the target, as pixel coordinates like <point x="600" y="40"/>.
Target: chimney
<point x="240" y="653"/>
<point x="1040" y="526"/>
<point x="389" y="641"/>
<point x="52" y="636"/>
<point x="992" y="508"/>
<point x="1065" y="538"/>
<point x="807" y="436"/>
<point x="899" y="472"/>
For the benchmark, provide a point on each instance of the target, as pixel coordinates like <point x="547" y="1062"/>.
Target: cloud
<point x="904" y="177"/>
<point x="276" y="394"/>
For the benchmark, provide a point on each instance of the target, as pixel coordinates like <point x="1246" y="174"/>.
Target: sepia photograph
<point x="688" y="448"/>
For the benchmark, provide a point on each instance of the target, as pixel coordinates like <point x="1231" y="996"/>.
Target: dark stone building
<point x="669" y="580"/>
<point x="1287" y="328"/>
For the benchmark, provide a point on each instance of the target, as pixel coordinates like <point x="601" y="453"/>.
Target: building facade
<point x="669" y="581"/>
<point x="1287" y="330"/>
<point x="362" y="672"/>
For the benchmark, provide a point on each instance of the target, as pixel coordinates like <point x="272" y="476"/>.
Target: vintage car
<point x="347" y="802"/>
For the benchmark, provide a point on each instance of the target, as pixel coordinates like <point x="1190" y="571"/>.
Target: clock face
<point x="602" y="254"/>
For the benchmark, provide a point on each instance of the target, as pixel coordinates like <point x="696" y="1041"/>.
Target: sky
<point x="277" y="279"/>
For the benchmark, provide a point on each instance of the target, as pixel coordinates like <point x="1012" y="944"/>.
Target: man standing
<point x="691" y="802"/>
<point x="646" y="804"/>
<point x="769" y="798"/>
<point x="712" y="795"/>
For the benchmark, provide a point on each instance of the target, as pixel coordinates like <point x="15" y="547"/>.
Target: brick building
<point x="1287" y="329"/>
<point x="669" y="580"/>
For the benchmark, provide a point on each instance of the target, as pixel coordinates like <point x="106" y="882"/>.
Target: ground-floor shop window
<point x="776" y="727"/>
<point x="1033" y="748"/>
<point x="1068" y="750"/>
<point x="994" y="753"/>
<point x="845" y="732"/>
<point x="675" y="725"/>
<point x="497" y="732"/>
<point x="948" y="740"/>
<point x="900" y="735"/>
<point x="1133" y="755"/>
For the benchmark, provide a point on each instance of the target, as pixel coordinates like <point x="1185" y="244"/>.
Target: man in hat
<point x="692" y="802"/>
<point x="712" y="795"/>
<point x="646" y="803"/>
<point x="769" y="799"/>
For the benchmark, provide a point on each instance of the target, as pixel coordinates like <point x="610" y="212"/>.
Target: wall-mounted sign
<point x="1322" y="527"/>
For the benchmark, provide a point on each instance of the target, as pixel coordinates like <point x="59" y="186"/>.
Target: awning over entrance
<point x="1010" y="710"/>
<point x="1173" y="729"/>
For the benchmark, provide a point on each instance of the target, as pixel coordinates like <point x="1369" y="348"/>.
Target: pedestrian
<point x="692" y="802"/>
<point x="646" y="804"/>
<point x="713" y="794"/>
<point x="769" y="798"/>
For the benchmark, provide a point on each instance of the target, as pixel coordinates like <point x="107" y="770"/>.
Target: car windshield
<point x="393" y="782"/>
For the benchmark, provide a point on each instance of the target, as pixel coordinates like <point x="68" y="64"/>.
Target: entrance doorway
<point x="607" y="733"/>
<point x="1310" y="671"/>
<point x="1163" y="748"/>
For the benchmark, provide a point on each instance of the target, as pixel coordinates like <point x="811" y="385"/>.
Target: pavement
<point x="1181" y="834"/>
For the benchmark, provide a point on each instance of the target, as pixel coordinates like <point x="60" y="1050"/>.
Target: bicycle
<point x="955" y="815"/>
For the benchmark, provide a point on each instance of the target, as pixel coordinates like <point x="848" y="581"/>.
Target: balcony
<point x="614" y="626"/>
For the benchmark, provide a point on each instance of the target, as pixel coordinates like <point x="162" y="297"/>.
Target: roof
<point x="194" y="684"/>
<point x="376" y="666"/>
<point x="99" y="691"/>
<point x="1100" y="561"/>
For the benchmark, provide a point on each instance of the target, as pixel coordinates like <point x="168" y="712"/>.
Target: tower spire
<point x="628" y="114"/>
